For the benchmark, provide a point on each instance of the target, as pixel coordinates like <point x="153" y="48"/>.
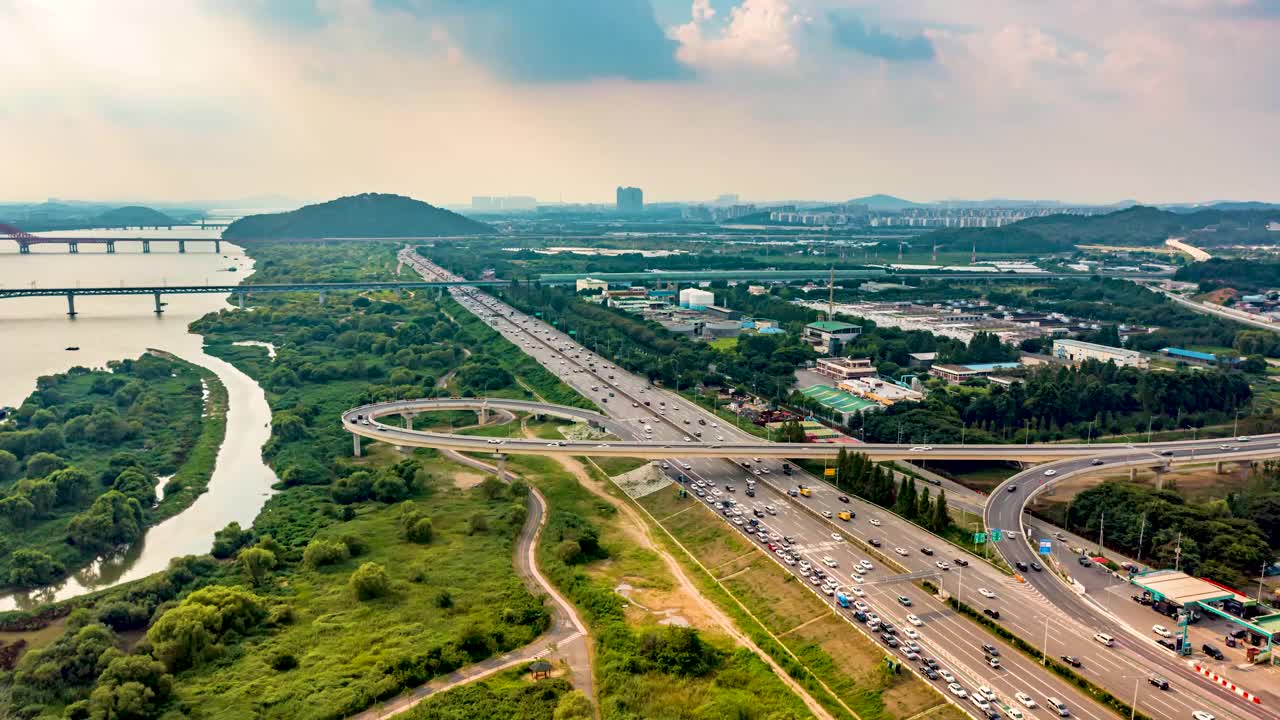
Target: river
<point x="36" y="333"/>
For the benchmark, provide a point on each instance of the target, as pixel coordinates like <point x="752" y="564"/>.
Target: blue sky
<point x="1084" y="100"/>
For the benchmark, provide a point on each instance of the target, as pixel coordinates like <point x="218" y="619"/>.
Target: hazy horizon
<point x="1082" y="101"/>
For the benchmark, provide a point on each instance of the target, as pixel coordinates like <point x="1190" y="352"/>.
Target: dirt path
<point x="638" y="530"/>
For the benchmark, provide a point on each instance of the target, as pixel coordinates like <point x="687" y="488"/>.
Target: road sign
<point x="997" y="535"/>
<point x="829" y="472"/>
<point x="979" y="538"/>
<point x="1046" y="547"/>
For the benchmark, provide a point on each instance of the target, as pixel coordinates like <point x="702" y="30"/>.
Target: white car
<point x="1014" y="713"/>
<point x="1161" y="630"/>
<point x="829" y="561"/>
<point x="956" y="690"/>
<point x="986" y="593"/>
<point x="1050" y="472"/>
<point x="857" y="578"/>
<point x="686" y="466"/>
<point x="866" y="565"/>
<point x="915" y="620"/>
<point x="858" y="592"/>
<point x="875" y="522"/>
<point x="946" y="675"/>
<point x="921" y="448"/>
<point x="911" y="633"/>
<point x="901" y="551"/>
<point x="980" y="701"/>
<point x="804" y="564"/>
<point x="837" y="537"/>
<point x="826" y="514"/>
<point x="1202" y="715"/>
<point x="987" y="693"/>
<point x="943" y="565"/>
<point x="1025" y="699"/>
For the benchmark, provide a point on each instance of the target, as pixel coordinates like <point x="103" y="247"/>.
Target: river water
<point x="34" y="335"/>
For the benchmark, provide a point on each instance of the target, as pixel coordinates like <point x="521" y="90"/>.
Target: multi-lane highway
<point x="1036" y="610"/>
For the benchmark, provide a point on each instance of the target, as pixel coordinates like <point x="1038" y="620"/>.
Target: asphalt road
<point x="1043" y="610"/>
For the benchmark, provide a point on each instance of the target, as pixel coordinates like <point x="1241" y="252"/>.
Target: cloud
<point x="758" y="33"/>
<point x="850" y="33"/>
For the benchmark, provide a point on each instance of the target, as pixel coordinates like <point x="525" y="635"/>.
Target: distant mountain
<point x="883" y="202"/>
<point x="1137" y="226"/>
<point x="367" y="215"/>
<point x="1222" y="205"/>
<point x="133" y="216"/>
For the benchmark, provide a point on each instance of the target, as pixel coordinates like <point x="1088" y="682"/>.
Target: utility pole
<point x="1102" y="521"/>
<point x="1149" y="419"/>
<point x="1142" y="528"/>
<point x="1177" y="554"/>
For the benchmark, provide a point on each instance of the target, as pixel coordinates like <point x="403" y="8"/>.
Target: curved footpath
<point x="566" y="638"/>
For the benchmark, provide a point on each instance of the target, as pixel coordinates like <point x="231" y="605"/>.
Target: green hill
<point x="134" y="216"/>
<point x="367" y="215"/>
<point x="1136" y="226"/>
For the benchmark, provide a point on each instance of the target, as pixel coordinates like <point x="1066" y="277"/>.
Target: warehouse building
<point x="1076" y="352"/>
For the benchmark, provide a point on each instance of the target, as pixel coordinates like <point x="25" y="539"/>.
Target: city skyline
<point x="1081" y="101"/>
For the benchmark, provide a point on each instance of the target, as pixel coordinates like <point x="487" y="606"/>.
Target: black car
<point x="993" y="614"/>
<point x="1021" y="566"/>
<point x="1158" y="682"/>
<point x="873" y="542"/>
<point x="787" y="539"/>
<point x="1036" y="566"/>
<point x="928" y="672"/>
<point x="931" y="663"/>
<point x="889" y="640"/>
<point x="962" y="562"/>
<point x="1168" y="643"/>
<point x="843" y="498"/>
<point x="991" y="650"/>
<point x="1096" y="461"/>
<point x="887" y="628"/>
<point x="1212" y="651"/>
<point x="926" y="551"/>
<point x="1071" y="660"/>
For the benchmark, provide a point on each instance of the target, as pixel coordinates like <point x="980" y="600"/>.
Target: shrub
<point x="478" y="523"/>
<point x="257" y="563"/>
<point x="444" y="600"/>
<point x="228" y="540"/>
<point x="422" y="531"/>
<point x="283" y="661"/>
<point x="356" y="545"/>
<point x="370" y="581"/>
<point x="29" y="568"/>
<point x="324" y="552"/>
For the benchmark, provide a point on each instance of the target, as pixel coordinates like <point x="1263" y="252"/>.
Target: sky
<point x="208" y="100"/>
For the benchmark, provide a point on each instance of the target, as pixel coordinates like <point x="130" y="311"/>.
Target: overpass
<point x="365" y="421"/>
<point x="240" y="291"/>
<point x="26" y="240"/>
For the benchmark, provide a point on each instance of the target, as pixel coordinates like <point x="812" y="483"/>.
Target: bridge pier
<point x="71" y="305"/>
<point x="355" y="444"/>
<point x="1133" y="474"/>
<point x="146" y="246"/>
<point x="502" y="467"/>
<point x="24" y="248"/>
<point x="399" y="292"/>
<point x="159" y="307"/>
<point x="321" y="293"/>
<point x="407" y="419"/>
<point x="111" y="247"/>
<point x="1218" y="467"/>
<point x="73" y="248"/>
<point x="217" y="247"/>
<point x="240" y="297"/>
<point x="182" y="246"/>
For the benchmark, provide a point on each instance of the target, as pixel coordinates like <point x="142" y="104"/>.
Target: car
<point x="686" y="466"/>
<point x="961" y="562"/>
<point x="1212" y="651"/>
<point x="986" y="593"/>
<point x="912" y="644"/>
<point x="908" y="653"/>
<point x="1243" y="438"/>
<point x="837" y="537"/>
<point x="1104" y="638"/>
<point x="991" y="613"/>
<point x="866" y="564"/>
<point x="911" y="633"/>
<point x="915" y="620"/>
<point x="1096" y="461"/>
<point x="955" y="689"/>
<point x="978" y="700"/>
<point x="857" y="578"/>
<point x="926" y="551"/>
<point x="928" y="672"/>
<point x="771" y="509"/>
<point x="930" y="662"/>
<point x="904" y="601"/>
<point x="1022" y="567"/>
<point x="1014" y="713"/>
<point x="826" y="514"/>
<point x="1036" y="566"/>
<point x="1161" y="630"/>
<point x="688" y="439"/>
<point x="829" y="561"/>
<point x="1012" y="488"/>
<point x="921" y="448"/>
<point x="901" y="551"/>
<point x="942" y="565"/>
<point x="1026" y="700"/>
<point x="858" y="604"/>
<point x="946" y="675"/>
<point x="989" y="649"/>
<point x="843" y="498"/>
<point x="1168" y="644"/>
<point x="1071" y="660"/>
<point x="889" y="640"/>
<point x="1202" y="715"/>
<point x="888" y="627"/>
<point x="873" y="542"/>
<point x="1159" y="682"/>
<point x="875" y="522"/>
<point x="1050" y="472"/>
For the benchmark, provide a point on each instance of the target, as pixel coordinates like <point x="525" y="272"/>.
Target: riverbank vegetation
<point x="94" y="457"/>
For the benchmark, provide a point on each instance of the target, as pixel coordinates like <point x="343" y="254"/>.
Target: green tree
<point x="257" y="563"/>
<point x="43" y="463"/>
<point x="421" y="531"/>
<point x="132" y="686"/>
<point x="229" y="540"/>
<point x="135" y="483"/>
<point x="30" y="568"/>
<point x="113" y="519"/>
<point x="42" y="494"/>
<point x="321" y="552"/>
<point x="941" y="514"/>
<point x="370" y="581"/>
<point x="71" y="484"/>
<point x="8" y="466"/>
<point x="573" y="705"/>
<point x="18" y="510"/>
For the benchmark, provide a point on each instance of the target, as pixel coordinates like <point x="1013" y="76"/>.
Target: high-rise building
<point x="630" y="200"/>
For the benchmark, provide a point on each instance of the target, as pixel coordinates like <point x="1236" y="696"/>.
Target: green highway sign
<point x="997" y="535"/>
<point x="979" y="538"/>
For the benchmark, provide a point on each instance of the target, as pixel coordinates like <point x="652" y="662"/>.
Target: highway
<point x="1039" y="615"/>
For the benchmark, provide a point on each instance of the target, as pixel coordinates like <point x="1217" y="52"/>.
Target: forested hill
<point x="135" y="215"/>
<point x="1136" y="226"/>
<point x="367" y="215"/>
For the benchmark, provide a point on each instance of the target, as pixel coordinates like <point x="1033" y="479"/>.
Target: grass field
<point x="510" y="695"/>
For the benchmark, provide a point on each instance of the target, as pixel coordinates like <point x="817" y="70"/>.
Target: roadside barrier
<point x="1215" y="677"/>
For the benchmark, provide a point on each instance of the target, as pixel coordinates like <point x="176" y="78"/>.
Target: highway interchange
<point x="1042" y="610"/>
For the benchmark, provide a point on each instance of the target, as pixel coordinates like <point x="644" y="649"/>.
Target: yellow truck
<point x="845" y="515"/>
<point x="806" y="491"/>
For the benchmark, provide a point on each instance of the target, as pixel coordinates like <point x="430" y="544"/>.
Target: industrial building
<point x="696" y="299"/>
<point x="1076" y="352"/>
<point x="956" y="374"/>
<point x="828" y="336"/>
<point x="843" y="368"/>
<point x="880" y="391"/>
<point x="590" y="284"/>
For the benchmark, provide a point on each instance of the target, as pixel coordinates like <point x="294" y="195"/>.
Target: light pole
<point x="1133" y="710"/>
<point x="1089" y="436"/>
<point x="1044" y="654"/>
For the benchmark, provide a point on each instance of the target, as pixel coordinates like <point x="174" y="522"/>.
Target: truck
<point x="845" y="515"/>
<point x="786" y="468"/>
<point x="842" y="599"/>
<point x="806" y="492"/>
